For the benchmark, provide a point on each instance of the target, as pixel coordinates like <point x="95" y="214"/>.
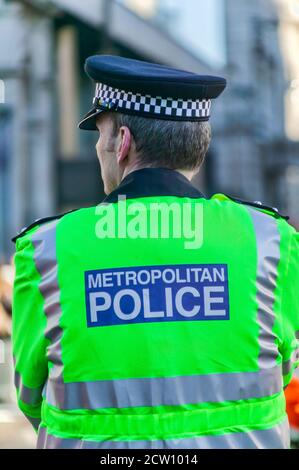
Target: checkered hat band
<point x="113" y="98"/>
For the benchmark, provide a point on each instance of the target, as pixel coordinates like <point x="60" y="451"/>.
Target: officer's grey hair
<point x="171" y="144"/>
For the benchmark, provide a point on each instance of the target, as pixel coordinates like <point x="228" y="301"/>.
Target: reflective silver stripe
<point x="286" y="367"/>
<point x="268" y="253"/>
<point x="44" y="242"/>
<point x="30" y="396"/>
<point x="34" y="421"/>
<point x="123" y="393"/>
<point x="274" y="438"/>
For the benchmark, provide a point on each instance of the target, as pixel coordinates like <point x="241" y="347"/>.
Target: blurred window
<point x="198" y="25"/>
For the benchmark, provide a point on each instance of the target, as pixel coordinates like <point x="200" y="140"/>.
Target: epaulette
<point x="259" y="205"/>
<point x="39" y="222"/>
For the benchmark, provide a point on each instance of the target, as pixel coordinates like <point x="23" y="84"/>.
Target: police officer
<point x="159" y="318"/>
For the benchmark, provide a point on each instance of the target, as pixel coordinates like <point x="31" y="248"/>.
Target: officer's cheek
<point x="98" y="148"/>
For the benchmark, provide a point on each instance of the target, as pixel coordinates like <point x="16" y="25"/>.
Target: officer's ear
<point x="124" y="145"/>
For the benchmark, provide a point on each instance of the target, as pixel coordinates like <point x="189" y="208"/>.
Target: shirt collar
<point x="147" y="182"/>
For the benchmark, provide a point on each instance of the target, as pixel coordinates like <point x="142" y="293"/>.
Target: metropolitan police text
<point x="156" y="293"/>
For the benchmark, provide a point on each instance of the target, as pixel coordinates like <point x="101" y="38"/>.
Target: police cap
<point x="149" y="90"/>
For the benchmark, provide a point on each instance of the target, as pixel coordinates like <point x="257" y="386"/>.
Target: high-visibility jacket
<point x="129" y="333"/>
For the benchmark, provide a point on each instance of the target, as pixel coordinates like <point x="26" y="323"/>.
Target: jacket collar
<point x="154" y="182"/>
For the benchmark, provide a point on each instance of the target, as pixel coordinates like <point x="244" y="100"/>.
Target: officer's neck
<point x="189" y="174"/>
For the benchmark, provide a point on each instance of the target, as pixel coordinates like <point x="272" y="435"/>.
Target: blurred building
<point x="47" y="166"/>
<point x="257" y="154"/>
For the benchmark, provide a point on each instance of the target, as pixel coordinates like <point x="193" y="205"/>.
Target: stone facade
<point x="45" y="162"/>
<point x="252" y="153"/>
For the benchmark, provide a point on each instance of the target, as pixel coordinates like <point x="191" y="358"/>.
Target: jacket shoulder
<point x="39" y="222"/>
<point x="273" y="211"/>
